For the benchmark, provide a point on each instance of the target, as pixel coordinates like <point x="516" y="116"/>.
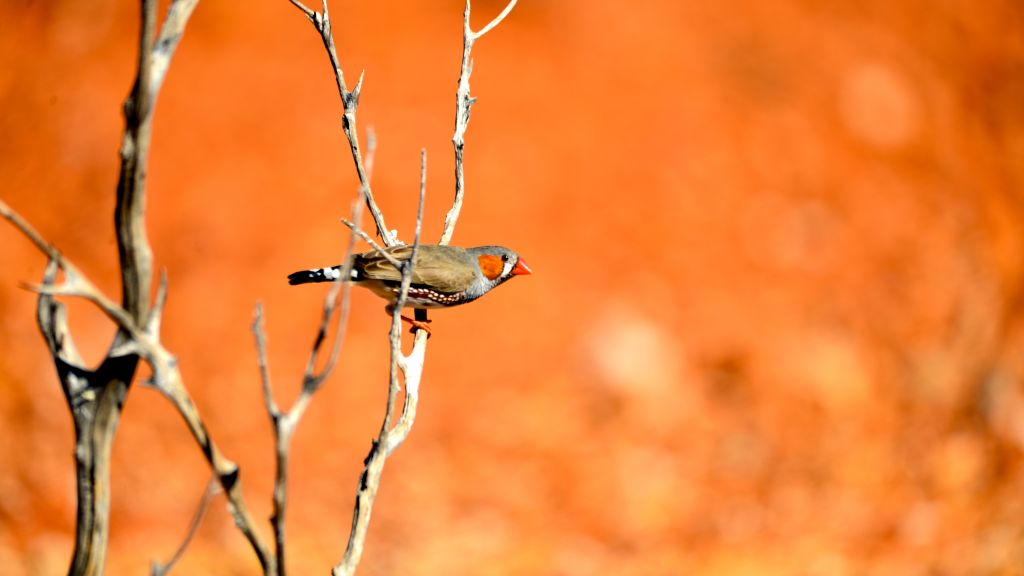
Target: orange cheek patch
<point x="491" y="266"/>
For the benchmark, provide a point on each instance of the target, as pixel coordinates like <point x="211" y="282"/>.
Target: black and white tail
<point x="316" y="275"/>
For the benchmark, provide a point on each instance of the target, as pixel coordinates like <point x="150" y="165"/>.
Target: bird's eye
<point x="504" y="257"/>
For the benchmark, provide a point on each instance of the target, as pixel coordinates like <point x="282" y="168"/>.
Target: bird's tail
<point x="315" y="275"/>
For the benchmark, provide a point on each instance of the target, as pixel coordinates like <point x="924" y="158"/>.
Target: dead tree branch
<point x="285" y="422"/>
<point x="350" y="103"/>
<point x="161" y="569"/>
<point x="96" y="397"/>
<point x="390" y="437"/>
<point x="463" y="103"/>
<point x="411" y="366"/>
<point x="80" y="385"/>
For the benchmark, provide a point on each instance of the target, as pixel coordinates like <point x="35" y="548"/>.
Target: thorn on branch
<point x="156" y="313"/>
<point x="358" y="89"/>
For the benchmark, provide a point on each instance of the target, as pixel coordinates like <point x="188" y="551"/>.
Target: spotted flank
<point x="316" y="275"/>
<point x="419" y="297"/>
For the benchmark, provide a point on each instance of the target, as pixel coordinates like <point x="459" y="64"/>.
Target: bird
<point x="443" y="276"/>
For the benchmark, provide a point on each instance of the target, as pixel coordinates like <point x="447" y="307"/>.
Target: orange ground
<point x="775" y="325"/>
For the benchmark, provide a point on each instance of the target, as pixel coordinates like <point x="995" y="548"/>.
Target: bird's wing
<point x="443" y="268"/>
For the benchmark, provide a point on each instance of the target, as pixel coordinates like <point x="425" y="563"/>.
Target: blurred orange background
<point x="775" y="324"/>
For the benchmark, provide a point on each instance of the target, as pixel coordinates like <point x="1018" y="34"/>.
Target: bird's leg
<point x="420" y="320"/>
<point x="419" y="323"/>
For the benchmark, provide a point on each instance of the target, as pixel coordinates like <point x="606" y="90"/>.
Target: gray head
<point x="495" y="264"/>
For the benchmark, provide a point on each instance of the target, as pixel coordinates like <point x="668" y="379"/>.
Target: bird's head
<point x="497" y="264"/>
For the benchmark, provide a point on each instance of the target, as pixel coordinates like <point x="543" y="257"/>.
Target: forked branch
<point x="96" y="397"/>
<point x="284" y="423"/>
<point x="83" y="386"/>
<point x="350" y="104"/>
<point x="463" y="103"/>
<point x="410" y="366"/>
<point x="390" y="437"/>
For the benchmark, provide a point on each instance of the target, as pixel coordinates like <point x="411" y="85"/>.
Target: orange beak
<point x="521" y="268"/>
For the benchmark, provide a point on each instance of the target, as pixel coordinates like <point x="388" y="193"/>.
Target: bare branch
<point x="170" y="36"/>
<point x="81" y="386"/>
<point x="77" y="285"/>
<point x="396" y="316"/>
<point x="75" y="282"/>
<point x="412" y="365"/>
<point x="369" y="482"/>
<point x="282" y="436"/>
<point x="30" y="232"/>
<point x="166" y="376"/>
<point x="261" y="356"/>
<point x="497" y="20"/>
<point x="53" y="323"/>
<point x="152" y="326"/>
<point x="284" y="424"/>
<point x="96" y="397"/>
<point x="129" y="215"/>
<point x="373" y="244"/>
<point x="412" y="369"/>
<point x="154" y="59"/>
<point x="167" y="379"/>
<point x="309" y="13"/>
<point x="463" y="103"/>
<point x="311" y="380"/>
<point x="350" y="103"/>
<point x="212" y="488"/>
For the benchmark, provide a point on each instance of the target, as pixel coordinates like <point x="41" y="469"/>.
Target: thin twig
<point x="167" y="42"/>
<point x="75" y="282"/>
<point x="463" y="103"/>
<point x="350" y="103"/>
<point x="389" y="438"/>
<point x="497" y="19"/>
<point x="373" y="244"/>
<point x="410" y="366"/>
<point x="285" y="423"/>
<point x="30" y="233"/>
<point x="152" y="326"/>
<point x="309" y="13"/>
<point x="212" y="488"/>
<point x="261" y="359"/>
<point x="282" y="436"/>
<point x="167" y="379"/>
<point x="166" y="376"/>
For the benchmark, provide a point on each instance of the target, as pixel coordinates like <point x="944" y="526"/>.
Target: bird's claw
<point x="418" y="325"/>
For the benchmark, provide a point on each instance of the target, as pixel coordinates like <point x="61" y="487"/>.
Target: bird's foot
<point x="417" y="325"/>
